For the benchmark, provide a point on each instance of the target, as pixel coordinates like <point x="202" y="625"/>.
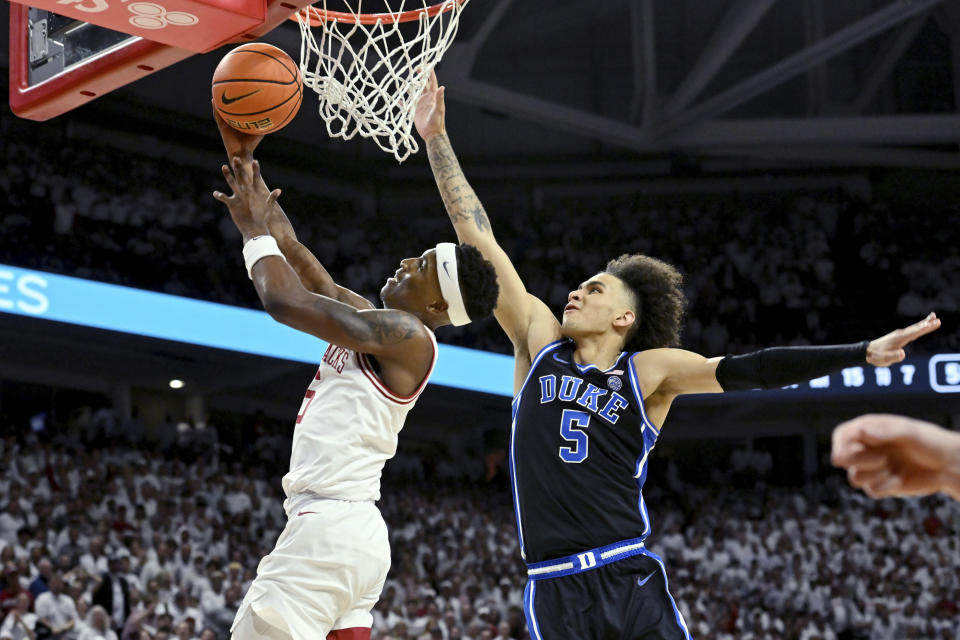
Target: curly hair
<point x="660" y="302"/>
<point x="478" y="281"/>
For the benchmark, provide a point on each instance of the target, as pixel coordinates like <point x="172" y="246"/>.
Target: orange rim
<point x="317" y="17"/>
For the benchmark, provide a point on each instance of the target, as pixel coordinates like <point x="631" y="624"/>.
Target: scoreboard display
<point x="944" y="373"/>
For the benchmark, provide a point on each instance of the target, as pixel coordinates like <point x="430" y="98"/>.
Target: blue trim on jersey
<point x="515" y="409"/>
<point x="585" y="560"/>
<point x="532" y="626"/>
<point x="642" y="462"/>
<point x="645" y="515"/>
<point x="676" y="612"/>
<point x="635" y="384"/>
<point x="641" y="477"/>
<point x="584" y="368"/>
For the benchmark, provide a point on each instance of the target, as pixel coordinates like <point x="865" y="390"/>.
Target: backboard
<point x="64" y="53"/>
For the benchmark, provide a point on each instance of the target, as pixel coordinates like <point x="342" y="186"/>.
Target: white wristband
<point x="257" y="248"/>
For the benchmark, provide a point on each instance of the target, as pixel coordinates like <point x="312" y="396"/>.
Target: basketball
<point x="257" y="88"/>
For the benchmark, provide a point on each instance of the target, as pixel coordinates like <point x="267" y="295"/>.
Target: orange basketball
<point x="257" y="88"/>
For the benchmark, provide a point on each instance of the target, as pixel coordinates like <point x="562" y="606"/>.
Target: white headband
<point x="449" y="284"/>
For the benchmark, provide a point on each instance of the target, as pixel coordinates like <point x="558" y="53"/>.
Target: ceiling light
<point x="176" y="384"/>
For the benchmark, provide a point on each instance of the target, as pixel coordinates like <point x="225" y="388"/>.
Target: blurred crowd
<point x="760" y="270"/>
<point x="117" y="542"/>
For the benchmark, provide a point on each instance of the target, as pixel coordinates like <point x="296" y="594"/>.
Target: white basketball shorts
<point x="326" y="571"/>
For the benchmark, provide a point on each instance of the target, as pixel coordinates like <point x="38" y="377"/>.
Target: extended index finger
<point x="928" y="325"/>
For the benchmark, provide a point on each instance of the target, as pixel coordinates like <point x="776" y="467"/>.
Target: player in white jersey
<point x="328" y="567"/>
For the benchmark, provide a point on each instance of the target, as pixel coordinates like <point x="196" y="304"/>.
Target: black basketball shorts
<point x="625" y="598"/>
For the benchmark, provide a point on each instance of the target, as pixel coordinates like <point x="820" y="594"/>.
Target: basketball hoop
<point x="369" y="69"/>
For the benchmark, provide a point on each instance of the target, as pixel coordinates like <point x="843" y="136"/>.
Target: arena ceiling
<point x="754" y="82"/>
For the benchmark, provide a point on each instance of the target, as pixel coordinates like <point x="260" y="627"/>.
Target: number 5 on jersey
<point x="572" y="423"/>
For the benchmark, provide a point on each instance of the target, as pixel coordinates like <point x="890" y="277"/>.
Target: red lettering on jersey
<point x="336" y="357"/>
<point x="307" y="399"/>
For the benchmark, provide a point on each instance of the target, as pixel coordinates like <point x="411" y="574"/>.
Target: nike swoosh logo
<point x="226" y="100"/>
<point x="558" y="359"/>
<point x="640" y="582"/>
<point x="446" y="268"/>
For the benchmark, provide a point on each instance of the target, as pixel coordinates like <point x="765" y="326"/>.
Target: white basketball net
<point x="370" y="76"/>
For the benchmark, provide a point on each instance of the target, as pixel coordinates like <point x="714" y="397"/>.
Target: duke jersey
<point x="578" y="455"/>
<point x="347" y="429"/>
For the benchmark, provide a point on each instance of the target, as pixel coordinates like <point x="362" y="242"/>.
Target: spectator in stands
<point x="213" y="598"/>
<point x="12" y="589"/>
<point x="504" y="631"/>
<point x="221" y="619"/>
<point x="779" y="252"/>
<point x="113" y="593"/>
<point x="97" y="626"/>
<point x="19" y="623"/>
<point x="844" y="555"/>
<point x="56" y="610"/>
<point x="94" y="560"/>
<point x="72" y="546"/>
<point x="12" y="519"/>
<point x="42" y="582"/>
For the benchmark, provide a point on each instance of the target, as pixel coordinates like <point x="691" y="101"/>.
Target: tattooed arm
<point x="526" y="320"/>
<point x="399" y="340"/>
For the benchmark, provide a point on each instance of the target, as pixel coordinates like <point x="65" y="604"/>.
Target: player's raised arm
<point x="526" y="320"/>
<point x="311" y="272"/>
<point x="675" y="372"/>
<point x="388" y="333"/>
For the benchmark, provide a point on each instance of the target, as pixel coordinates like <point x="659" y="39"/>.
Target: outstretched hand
<point x="251" y="202"/>
<point x="430" y="115"/>
<point x="888" y="349"/>
<point x="889" y="455"/>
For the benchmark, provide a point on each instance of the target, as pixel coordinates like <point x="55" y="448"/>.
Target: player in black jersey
<point x="592" y="392"/>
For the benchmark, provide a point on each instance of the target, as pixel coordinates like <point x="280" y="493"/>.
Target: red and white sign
<point x="195" y="25"/>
